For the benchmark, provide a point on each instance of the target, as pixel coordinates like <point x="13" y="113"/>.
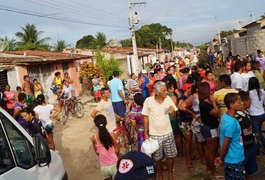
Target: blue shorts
<point x="119" y="108"/>
<point x="234" y="171"/>
<point x="49" y="127"/>
<point x="251" y="166"/>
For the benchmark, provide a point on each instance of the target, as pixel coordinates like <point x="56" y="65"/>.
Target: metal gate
<point x="3" y="79"/>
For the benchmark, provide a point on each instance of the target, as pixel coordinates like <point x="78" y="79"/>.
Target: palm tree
<point x="11" y="43"/>
<point x="60" y="45"/>
<point x="100" y="40"/>
<point x="30" y="38"/>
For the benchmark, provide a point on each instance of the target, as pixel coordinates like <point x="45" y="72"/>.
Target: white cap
<point x="144" y="71"/>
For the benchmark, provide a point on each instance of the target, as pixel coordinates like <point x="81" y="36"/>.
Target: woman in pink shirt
<point x="10" y="99"/>
<point x="210" y="79"/>
<point x="106" y="148"/>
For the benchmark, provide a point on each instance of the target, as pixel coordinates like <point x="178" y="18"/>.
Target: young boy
<point x="247" y="135"/>
<point x="232" y="151"/>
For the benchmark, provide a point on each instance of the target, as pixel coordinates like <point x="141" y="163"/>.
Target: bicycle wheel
<point x="79" y="109"/>
<point x="64" y="115"/>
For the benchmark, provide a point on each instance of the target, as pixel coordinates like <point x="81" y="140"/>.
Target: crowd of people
<point x="192" y="113"/>
<point x="29" y="107"/>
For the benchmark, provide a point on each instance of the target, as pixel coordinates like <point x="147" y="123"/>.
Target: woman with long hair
<point x="210" y="79"/>
<point x="209" y="116"/>
<point x="105" y="147"/>
<point x="256" y="110"/>
<point x="43" y="112"/>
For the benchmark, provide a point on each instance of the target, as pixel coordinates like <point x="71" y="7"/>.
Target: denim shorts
<point x="208" y="132"/>
<point x="234" y="171"/>
<point x="251" y="166"/>
<point x="49" y="127"/>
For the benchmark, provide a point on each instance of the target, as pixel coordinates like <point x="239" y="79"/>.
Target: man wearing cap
<point x="156" y="111"/>
<point x="135" y="165"/>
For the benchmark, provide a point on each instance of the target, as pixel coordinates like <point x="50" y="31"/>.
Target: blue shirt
<point x="230" y="128"/>
<point x="115" y="85"/>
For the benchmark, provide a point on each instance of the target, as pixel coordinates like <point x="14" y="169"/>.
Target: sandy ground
<point x="81" y="163"/>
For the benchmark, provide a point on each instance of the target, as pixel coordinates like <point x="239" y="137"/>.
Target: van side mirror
<point x="42" y="150"/>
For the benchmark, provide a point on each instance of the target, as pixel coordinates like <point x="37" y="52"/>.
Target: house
<point x="40" y="65"/>
<point x="124" y="55"/>
<point x="250" y="38"/>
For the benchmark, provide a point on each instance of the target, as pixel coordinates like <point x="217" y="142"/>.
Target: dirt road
<point x="81" y="163"/>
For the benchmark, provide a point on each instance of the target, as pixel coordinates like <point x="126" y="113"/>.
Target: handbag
<point x="149" y="146"/>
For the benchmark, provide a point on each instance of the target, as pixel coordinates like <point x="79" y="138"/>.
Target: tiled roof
<point x="129" y="50"/>
<point x="41" y="57"/>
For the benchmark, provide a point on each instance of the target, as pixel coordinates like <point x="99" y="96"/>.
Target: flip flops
<point x="218" y="178"/>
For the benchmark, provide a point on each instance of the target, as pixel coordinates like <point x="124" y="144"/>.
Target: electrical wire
<point x="30" y="13"/>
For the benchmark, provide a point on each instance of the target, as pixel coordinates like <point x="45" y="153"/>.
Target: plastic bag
<point x="149" y="146"/>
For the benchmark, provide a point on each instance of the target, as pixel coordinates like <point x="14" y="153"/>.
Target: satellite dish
<point x="3" y="45"/>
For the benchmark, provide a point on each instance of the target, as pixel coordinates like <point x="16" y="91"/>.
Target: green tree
<point x="11" y="43"/>
<point x="86" y="42"/>
<point x="149" y="36"/>
<point x="126" y="42"/>
<point x="107" y="66"/>
<point x="223" y="34"/>
<point x="100" y="40"/>
<point x="30" y="38"/>
<point x="60" y="45"/>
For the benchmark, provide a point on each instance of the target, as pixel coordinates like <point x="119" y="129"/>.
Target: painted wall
<point x="12" y="77"/>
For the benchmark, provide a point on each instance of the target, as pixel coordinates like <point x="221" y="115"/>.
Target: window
<point x="22" y="148"/>
<point x="6" y="160"/>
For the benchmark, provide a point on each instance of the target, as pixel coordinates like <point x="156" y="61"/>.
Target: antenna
<point x="3" y="45"/>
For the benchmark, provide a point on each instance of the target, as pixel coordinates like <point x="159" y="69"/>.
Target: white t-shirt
<point x="256" y="107"/>
<point x="159" y="122"/>
<point x="237" y="81"/>
<point x="246" y="77"/>
<point x="68" y="92"/>
<point x="44" y="113"/>
<point x="106" y="108"/>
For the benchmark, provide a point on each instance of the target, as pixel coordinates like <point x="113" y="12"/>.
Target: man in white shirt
<point x="156" y="119"/>
<point x="67" y="93"/>
<point x="105" y="107"/>
<point x="237" y="79"/>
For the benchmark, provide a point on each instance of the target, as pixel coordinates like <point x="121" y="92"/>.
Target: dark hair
<point x="22" y="96"/>
<point x="116" y="73"/>
<point x="238" y="65"/>
<point x="225" y="78"/>
<point x="229" y="99"/>
<point x="168" y="69"/>
<point x="132" y="75"/>
<point x="28" y="110"/>
<point x="244" y="95"/>
<point x="138" y="99"/>
<point x="169" y="85"/>
<point x="57" y="73"/>
<point x="204" y="91"/>
<point x="26" y="76"/>
<point x="110" y="78"/>
<point x="245" y="62"/>
<point x="18" y="88"/>
<point x="40" y="99"/>
<point x="253" y="83"/>
<point x="208" y="72"/>
<point x="194" y="68"/>
<point x="66" y="73"/>
<point x="104" y="136"/>
<point x="34" y="80"/>
<point x="102" y="90"/>
<point x="186" y="70"/>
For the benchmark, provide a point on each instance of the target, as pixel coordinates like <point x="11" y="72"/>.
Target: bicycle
<point x="79" y="110"/>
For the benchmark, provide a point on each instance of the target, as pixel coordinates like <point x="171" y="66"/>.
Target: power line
<point x="71" y="9"/>
<point x="30" y="13"/>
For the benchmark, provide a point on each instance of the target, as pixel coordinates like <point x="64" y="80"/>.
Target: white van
<point x="25" y="158"/>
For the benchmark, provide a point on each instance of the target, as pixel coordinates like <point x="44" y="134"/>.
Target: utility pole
<point x="132" y="21"/>
<point x="171" y="43"/>
<point x="252" y="15"/>
<point x="218" y="31"/>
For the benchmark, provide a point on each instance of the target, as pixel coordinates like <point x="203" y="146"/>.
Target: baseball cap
<point x="135" y="165"/>
<point x="186" y="86"/>
<point x="144" y="71"/>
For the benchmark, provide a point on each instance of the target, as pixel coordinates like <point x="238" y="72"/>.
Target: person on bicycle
<point x="68" y="94"/>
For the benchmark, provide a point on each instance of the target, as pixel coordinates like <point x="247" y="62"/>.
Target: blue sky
<point x="191" y="20"/>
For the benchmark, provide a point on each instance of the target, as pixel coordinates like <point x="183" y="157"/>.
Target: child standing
<point x="232" y="151"/>
<point x="247" y="135"/>
<point x="105" y="147"/>
<point x="137" y="118"/>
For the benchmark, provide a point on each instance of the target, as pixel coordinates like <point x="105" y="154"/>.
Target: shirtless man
<point x="27" y="87"/>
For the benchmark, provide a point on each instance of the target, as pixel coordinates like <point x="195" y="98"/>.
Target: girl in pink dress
<point x="105" y="147"/>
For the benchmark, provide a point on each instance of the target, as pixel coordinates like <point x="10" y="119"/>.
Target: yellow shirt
<point x="219" y="98"/>
<point x="58" y="81"/>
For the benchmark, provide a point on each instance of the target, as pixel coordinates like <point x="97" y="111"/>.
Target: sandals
<point x="218" y="178"/>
